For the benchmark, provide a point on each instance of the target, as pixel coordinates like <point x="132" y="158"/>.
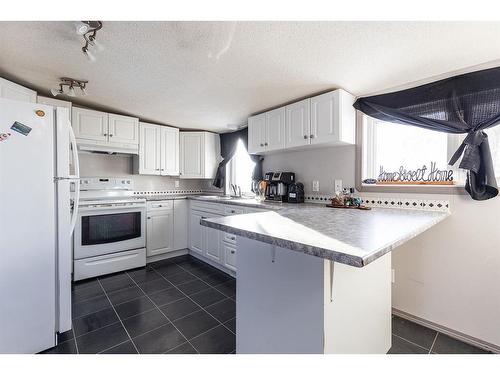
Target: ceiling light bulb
<point x="71" y="91"/>
<point x="81" y="28"/>
<point x="89" y="55"/>
<point x="55" y="92"/>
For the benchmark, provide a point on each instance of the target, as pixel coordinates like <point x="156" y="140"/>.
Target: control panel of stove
<point x="106" y="183"/>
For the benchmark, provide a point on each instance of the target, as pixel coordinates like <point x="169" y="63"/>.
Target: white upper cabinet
<point x="256" y="133"/>
<point x="13" y="91"/>
<point x="327" y="119"/>
<point x="169" y="158"/>
<point x="275" y="130"/>
<point x="158" y="150"/>
<point x="89" y="124"/>
<point x="149" y="149"/>
<point x="101" y="131"/>
<point x="266" y="132"/>
<point x="199" y="154"/>
<point x="333" y="118"/>
<point x="123" y="129"/>
<point x="192" y="151"/>
<point x="298" y="123"/>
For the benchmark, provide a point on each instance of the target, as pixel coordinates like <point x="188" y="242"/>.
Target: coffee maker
<point x="277" y="185"/>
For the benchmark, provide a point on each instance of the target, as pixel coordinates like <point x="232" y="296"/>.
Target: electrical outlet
<point x="177" y="183"/>
<point x="315" y="185"/>
<point x="393" y="275"/>
<point x="338" y="185"/>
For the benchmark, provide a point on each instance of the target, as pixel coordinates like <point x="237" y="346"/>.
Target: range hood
<point x="98" y="148"/>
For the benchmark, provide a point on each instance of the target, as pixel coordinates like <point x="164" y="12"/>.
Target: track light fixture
<point x="89" y="29"/>
<point x="71" y="84"/>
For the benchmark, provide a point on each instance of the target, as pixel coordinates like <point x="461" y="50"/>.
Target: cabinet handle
<point x="311" y="136"/>
<point x="265" y="144"/>
<point x="162" y="169"/>
<point x="157" y="169"/>
<point x="233" y="238"/>
<point x="105" y="134"/>
<point x="305" y="136"/>
<point x="232" y="251"/>
<point x="262" y="145"/>
<point x="111" y="135"/>
<point x="149" y="217"/>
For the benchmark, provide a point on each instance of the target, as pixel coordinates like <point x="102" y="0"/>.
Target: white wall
<point x="449" y="275"/>
<point x="101" y="165"/>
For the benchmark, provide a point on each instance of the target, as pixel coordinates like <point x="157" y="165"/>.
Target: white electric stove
<point x="110" y="231"/>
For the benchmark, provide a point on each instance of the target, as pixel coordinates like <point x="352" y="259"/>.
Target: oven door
<point x="105" y="230"/>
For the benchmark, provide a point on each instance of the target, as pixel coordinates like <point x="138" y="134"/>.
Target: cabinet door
<point x="211" y="242"/>
<point x="195" y="232"/>
<point x="229" y="256"/>
<point x="13" y="91"/>
<point x="275" y="129"/>
<point x="256" y="133"/>
<point x="160" y="232"/>
<point x="181" y="214"/>
<point x="298" y="123"/>
<point x="88" y="124"/>
<point x="123" y="129"/>
<point x="191" y="156"/>
<point x="324" y="118"/>
<point x="169" y="159"/>
<point x="149" y="149"/>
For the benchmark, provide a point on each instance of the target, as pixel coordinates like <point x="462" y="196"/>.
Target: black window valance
<point x="467" y="103"/>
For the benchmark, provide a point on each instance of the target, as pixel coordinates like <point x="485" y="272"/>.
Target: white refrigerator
<point x="37" y="154"/>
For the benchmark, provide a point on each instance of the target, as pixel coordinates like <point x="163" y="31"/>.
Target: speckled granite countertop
<point x="348" y="236"/>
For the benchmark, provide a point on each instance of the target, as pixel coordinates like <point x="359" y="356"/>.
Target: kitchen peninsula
<point x="317" y="280"/>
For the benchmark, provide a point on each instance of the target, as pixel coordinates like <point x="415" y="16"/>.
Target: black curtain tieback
<point x="470" y="149"/>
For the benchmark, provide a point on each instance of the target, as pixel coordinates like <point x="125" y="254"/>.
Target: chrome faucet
<point x="236" y="190"/>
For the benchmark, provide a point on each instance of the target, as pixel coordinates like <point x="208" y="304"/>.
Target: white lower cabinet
<point x="229" y="256"/>
<point x="217" y="247"/>
<point x="159" y="228"/>
<point x="212" y="242"/>
<point x="195" y="232"/>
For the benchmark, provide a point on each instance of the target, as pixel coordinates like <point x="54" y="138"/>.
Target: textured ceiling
<point x="208" y="75"/>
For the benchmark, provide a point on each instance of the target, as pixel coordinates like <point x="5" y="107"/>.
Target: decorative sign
<point x="424" y="176"/>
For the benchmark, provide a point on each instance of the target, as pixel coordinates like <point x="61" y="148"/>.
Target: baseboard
<point x="168" y="255"/>
<point x="213" y="264"/>
<point x="448" y="331"/>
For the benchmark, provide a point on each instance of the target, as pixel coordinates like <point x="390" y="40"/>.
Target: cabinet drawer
<point x="207" y="207"/>
<point x="160" y="205"/>
<point x="229" y="238"/>
<point x="233" y="210"/>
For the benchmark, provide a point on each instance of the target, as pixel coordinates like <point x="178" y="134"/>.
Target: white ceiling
<point x="207" y="75"/>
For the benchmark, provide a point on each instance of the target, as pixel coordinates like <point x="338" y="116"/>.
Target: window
<point x="390" y="146"/>
<point x="494" y="142"/>
<point x="239" y="170"/>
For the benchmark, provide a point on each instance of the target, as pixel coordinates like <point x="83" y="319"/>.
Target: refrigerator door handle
<point x="75" y="178"/>
<point x="74" y="149"/>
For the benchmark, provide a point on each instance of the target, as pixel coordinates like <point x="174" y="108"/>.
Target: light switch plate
<point x="338" y="185"/>
<point x="315" y="186"/>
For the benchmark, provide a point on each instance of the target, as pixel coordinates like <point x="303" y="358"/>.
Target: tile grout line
<point x="114" y="346"/>
<point x="119" y="318"/>
<point x="166" y="317"/>
<point x="199" y="278"/>
<point x="201" y="307"/>
<point x="433" y="342"/>
<point x="411" y="342"/>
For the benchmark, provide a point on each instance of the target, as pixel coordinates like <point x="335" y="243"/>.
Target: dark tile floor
<point x="183" y="305"/>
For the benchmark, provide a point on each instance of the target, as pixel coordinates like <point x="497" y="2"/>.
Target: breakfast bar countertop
<point x="348" y="236"/>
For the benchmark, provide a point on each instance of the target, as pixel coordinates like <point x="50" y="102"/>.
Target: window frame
<point x="365" y="131"/>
